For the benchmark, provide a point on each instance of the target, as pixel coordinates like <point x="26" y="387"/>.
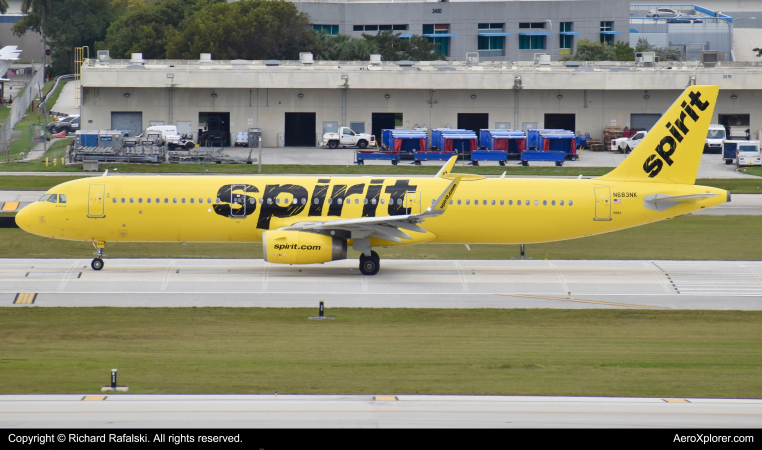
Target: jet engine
<point x="301" y="247"/>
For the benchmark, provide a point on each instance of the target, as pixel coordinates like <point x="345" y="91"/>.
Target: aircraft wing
<point x="386" y="227"/>
<point x="662" y="202"/>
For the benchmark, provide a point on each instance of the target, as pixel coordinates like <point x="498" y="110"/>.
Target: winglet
<point x="441" y="204"/>
<point x="447" y="168"/>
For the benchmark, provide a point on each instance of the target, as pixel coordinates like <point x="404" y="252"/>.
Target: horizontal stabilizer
<point x="662" y="202"/>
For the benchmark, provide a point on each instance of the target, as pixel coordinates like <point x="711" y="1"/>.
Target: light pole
<point x="730" y="30"/>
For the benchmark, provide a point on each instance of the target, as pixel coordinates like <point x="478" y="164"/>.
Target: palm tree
<point x="3" y="6"/>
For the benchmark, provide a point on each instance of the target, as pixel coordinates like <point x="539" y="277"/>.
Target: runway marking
<point x="93" y="398"/>
<point x="675" y="400"/>
<point x="627" y="305"/>
<point x="377" y="411"/>
<point x="24" y="298"/>
<point x="386" y="398"/>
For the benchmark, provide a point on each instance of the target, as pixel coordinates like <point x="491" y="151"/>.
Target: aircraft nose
<point x="24" y="218"/>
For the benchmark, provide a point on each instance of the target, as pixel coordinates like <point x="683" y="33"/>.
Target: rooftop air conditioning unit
<point x="472" y="58"/>
<point x="205" y="58"/>
<point x="137" y="58"/>
<point x="648" y="57"/>
<point x="375" y="60"/>
<point x="103" y="57"/>
<point x="305" y="58"/>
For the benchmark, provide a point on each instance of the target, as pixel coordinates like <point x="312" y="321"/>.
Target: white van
<point x="714" y="138"/>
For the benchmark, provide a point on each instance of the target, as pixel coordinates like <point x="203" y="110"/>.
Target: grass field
<point x="260" y="350"/>
<point x="683" y="238"/>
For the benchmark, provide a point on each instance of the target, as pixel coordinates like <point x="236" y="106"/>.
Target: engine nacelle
<point x="301" y="247"/>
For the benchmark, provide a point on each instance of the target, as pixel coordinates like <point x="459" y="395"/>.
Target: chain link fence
<point x="19" y="108"/>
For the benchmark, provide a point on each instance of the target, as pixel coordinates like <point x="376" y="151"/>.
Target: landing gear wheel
<point x="369" y="265"/>
<point x="97" y="264"/>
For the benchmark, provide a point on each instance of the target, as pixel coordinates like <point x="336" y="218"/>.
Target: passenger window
<point x="114" y="199"/>
<point x="166" y="200"/>
<point x="357" y="201"/>
<point x="518" y="202"/>
<point x="209" y="200"/>
<point x="373" y="201"/>
<point x="484" y="202"/>
<point x="570" y="202"/>
<point x="340" y="201"/>
<point x="536" y="203"/>
<point x="45" y="197"/>
<point x="140" y="199"/>
<point x="459" y="201"/>
<point x="148" y="200"/>
<point x="468" y="202"/>
<point x="544" y="203"/>
<point x="158" y="200"/>
<point x="476" y="202"/>
<point x="451" y="202"/>
<point x="315" y="200"/>
<point x="296" y="201"/>
<point x="123" y="200"/>
<point x="200" y="200"/>
<point x="365" y="201"/>
<point x="53" y="198"/>
<point x="553" y="203"/>
<point x="399" y="202"/>
<point x="562" y="203"/>
<point x="527" y="203"/>
<point x="304" y="201"/>
<point x="182" y="200"/>
<point x="493" y="203"/>
<point x="192" y="200"/>
<point x="383" y="201"/>
<point x="330" y="201"/>
<point x="269" y="201"/>
<point x="174" y="200"/>
<point x="132" y="200"/>
<point x="62" y="198"/>
<point x="502" y="202"/>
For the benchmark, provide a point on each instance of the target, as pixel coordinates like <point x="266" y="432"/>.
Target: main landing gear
<point x="369" y="265"/>
<point x="97" y="263"/>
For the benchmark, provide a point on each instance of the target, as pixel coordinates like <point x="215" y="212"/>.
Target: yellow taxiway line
<point x="626" y="305"/>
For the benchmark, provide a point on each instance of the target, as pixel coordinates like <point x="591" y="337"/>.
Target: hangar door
<point x="560" y="122"/>
<point x="737" y="126"/>
<point x="300" y="130"/>
<point x="643" y="121"/>
<point x="132" y="121"/>
<point x="473" y="121"/>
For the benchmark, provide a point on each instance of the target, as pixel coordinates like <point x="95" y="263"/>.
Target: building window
<point x="530" y="42"/>
<point x="333" y="30"/>
<point x="491" y="42"/>
<point x="607" y="26"/>
<point x="430" y="32"/>
<point x="379" y="27"/>
<point x="566" y="41"/>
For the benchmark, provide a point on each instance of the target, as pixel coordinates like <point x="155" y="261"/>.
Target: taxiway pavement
<point x="715" y="285"/>
<point x="370" y="411"/>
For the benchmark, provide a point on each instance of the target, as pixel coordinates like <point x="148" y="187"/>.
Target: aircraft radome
<point x="304" y="220"/>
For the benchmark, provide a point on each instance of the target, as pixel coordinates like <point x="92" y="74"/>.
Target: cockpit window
<point x="53" y="198"/>
<point x="44" y="197"/>
<point x="62" y="198"/>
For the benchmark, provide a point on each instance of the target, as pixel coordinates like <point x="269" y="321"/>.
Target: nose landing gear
<point x="97" y="263"/>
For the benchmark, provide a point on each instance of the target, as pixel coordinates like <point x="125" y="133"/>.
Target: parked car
<point x="53" y="127"/>
<point x="664" y="12"/>
<point x="626" y="145"/>
<point x="714" y="138"/>
<point x="69" y="126"/>
<point x="347" y="137"/>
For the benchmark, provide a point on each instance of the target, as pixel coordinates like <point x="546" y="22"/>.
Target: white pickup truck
<point x="347" y="137"/>
<point x="626" y="145"/>
<point x="172" y="138"/>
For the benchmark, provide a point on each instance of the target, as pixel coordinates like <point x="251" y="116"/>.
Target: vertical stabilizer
<point x="671" y="152"/>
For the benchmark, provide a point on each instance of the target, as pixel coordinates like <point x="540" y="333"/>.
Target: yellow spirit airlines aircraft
<point x="304" y="220"/>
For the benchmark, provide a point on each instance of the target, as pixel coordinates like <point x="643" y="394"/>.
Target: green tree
<point x="147" y="28"/>
<point x="759" y="51"/>
<point x="588" y="50"/>
<point x="393" y="48"/>
<point x="341" y="48"/>
<point x="624" y="52"/>
<point x="247" y="29"/>
<point x="3" y="6"/>
<point x="65" y="24"/>
<point x="664" y="53"/>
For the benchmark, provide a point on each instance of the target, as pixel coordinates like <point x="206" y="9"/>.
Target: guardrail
<point x="19" y="107"/>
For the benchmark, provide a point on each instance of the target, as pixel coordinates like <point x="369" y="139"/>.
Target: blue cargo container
<point x="499" y="145"/>
<point x="86" y="138"/>
<point x="404" y="141"/>
<point x="553" y="140"/>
